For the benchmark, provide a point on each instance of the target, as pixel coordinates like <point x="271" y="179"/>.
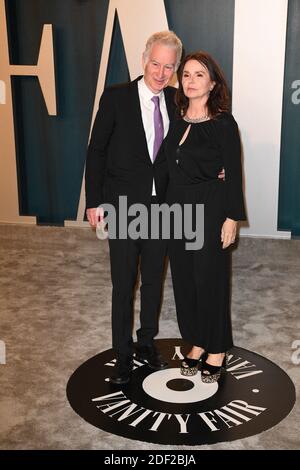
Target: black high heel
<point x="190" y="366"/>
<point x="211" y="374"/>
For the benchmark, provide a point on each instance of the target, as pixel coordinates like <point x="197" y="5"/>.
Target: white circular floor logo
<point x="166" y="408"/>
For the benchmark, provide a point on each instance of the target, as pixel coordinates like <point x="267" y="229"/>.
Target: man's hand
<point x="228" y="232"/>
<point x="221" y="175"/>
<point x="95" y="215"/>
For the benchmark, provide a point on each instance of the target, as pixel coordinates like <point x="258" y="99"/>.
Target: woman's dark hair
<point x="219" y="99"/>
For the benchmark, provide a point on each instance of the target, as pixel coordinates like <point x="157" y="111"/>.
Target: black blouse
<point x="208" y="147"/>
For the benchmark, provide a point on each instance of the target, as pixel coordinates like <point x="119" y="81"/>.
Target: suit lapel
<point x="135" y="105"/>
<point x="169" y="97"/>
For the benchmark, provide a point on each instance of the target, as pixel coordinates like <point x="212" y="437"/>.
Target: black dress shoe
<point x="122" y="371"/>
<point x="149" y="355"/>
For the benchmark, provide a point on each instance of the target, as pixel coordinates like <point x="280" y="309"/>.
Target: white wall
<point x="258" y="72"/>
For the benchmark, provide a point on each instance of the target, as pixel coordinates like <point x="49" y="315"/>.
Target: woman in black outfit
<point x="202" y="141"/>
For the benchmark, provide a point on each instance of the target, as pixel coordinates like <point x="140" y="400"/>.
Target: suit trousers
<point x="125" y="256"/>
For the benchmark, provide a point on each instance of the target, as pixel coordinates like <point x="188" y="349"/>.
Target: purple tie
<point x="158" y="127"/>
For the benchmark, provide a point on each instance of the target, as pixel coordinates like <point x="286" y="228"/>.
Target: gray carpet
<point x="55" y="314"/>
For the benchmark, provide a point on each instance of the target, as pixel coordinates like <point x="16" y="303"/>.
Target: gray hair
<point x="167" y="38"/>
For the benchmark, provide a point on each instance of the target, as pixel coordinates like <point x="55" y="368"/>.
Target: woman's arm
<point x="234" y="199"/>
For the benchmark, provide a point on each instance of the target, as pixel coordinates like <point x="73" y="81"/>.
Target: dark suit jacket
<point x="118" y="161"/>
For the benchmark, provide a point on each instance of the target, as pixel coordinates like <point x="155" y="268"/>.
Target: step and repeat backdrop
<point x="56" y="57"/>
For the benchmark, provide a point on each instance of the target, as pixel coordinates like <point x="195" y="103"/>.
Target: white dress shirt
<point x="147" y="108"/>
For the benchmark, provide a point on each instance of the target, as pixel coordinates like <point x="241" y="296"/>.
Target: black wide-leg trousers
<point x="201" y="278"/>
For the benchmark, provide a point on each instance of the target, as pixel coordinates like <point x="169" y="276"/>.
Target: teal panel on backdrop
<point x="206" y="25"/>
<point x="117" y="70"/>
<point x="289" y="188"/>
<point x="51" y="149"/>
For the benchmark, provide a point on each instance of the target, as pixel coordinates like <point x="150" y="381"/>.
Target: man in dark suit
<point x="124" y="160"/>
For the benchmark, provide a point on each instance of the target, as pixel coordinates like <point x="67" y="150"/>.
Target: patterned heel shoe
<point x="211" y="374"/>
<point x="189" y="366"/>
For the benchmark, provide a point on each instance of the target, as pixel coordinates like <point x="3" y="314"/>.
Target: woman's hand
<point x="228" y="232"/>
<point x="95" y="215"/>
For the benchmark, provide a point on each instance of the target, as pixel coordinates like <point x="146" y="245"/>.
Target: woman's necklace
<point x="195" y="120"/>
